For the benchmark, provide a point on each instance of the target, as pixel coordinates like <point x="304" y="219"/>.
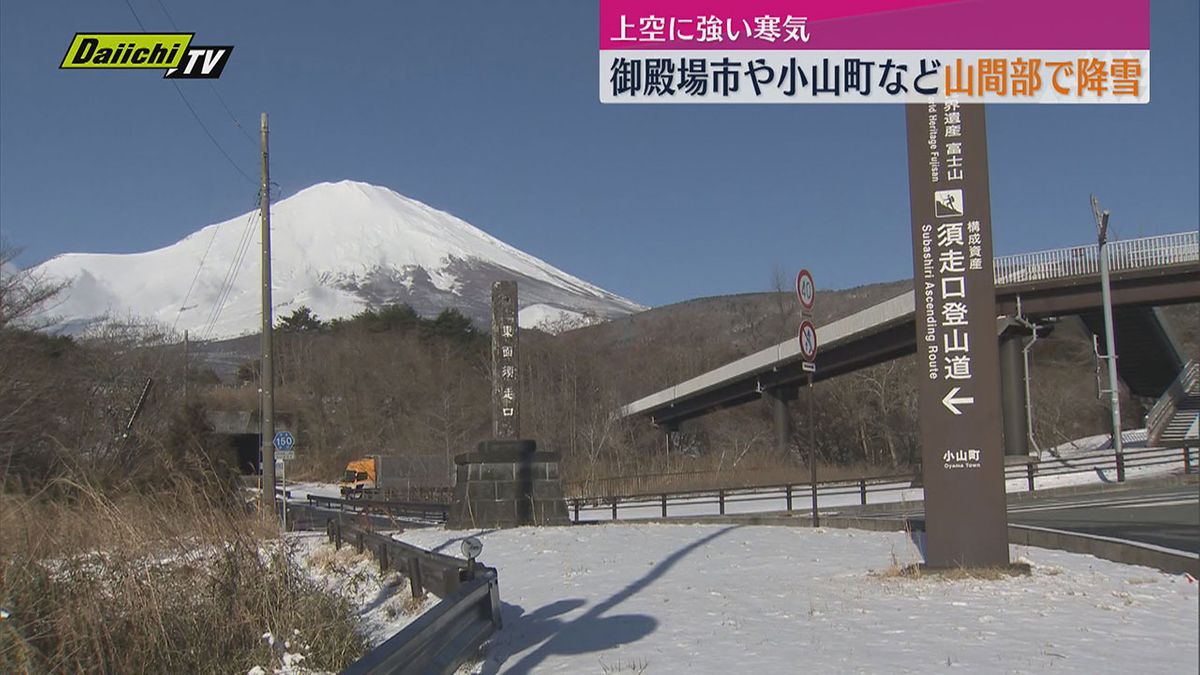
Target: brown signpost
<point x="506" y="412"/>
<point x="806" y="290"/>
<point x="962" y="454"/>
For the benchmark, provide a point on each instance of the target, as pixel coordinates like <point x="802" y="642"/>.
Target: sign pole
<point x="806" y="291"/>
<point x="283" y="443"/>
<point x="962" y="456"/>
<point x="812" y="452"/>
<point x="283" y="481"/>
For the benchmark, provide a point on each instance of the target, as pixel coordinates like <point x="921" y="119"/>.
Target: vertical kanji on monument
<point x="506" y="410"/>
<point x="506" y="481"/>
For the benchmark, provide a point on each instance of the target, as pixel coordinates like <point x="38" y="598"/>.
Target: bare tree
<point x="25" y="295"/>
<point x="781" y="289"/>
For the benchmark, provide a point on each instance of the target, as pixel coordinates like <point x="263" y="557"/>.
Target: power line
<point x="168" y="15"/>
<point x="230" y="277"/>
<point x="233" y="117"/>
<point x="211" y="86"/>
<point x="187" y="103"/>
<point x="209" y="133"/>
<point x="196" y="276"/>
<point x="135" y="16"/>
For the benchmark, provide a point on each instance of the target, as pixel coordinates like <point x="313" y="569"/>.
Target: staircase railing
<point x="1187" y="382"/>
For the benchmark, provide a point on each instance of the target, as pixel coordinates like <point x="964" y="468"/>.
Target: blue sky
<point x="490" y="110"/>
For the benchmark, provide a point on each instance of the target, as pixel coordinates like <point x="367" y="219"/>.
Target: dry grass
<point x="337" y="561"/>
<point x="174" y="583"/>
<point x="412" y="605"/>
<point x="635" y="666"/>
<point x="920" y="571"/>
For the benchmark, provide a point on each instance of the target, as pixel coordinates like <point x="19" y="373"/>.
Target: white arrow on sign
<point x="952" y="402"/>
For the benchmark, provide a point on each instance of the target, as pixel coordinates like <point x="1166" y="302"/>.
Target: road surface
<point x="1163" y="516"/>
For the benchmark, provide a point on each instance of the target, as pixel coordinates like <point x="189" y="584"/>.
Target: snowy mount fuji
<point x="337" y="248"/>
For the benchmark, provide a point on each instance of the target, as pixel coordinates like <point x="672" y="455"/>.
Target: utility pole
<point x="1113" y="389"/>
<point x="266" y="376"/>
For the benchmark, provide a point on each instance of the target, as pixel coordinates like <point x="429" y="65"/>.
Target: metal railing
<point x="446" y="635"/>
<point x="431" y="571"/>
<point x="442" y="638"/>
<point x="791" y="497"/>
<point x="431" y="512"/>
<point x="1185" y="383"/>
<point x="1129" y="254"/>
<point x="701" y="480"/>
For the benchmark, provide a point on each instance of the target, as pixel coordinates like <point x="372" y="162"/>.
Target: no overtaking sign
<point x="808" y="340"/>
<point x="806" y="291"/>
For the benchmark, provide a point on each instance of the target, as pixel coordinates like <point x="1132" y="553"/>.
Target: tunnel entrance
<point x="246" y="449"/>
<point x="240" y="427"/>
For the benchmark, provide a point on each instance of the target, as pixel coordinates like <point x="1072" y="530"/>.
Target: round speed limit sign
<point x="806" y="290"/>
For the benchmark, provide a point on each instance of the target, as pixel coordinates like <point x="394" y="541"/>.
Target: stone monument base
<point x="507" y="483"/>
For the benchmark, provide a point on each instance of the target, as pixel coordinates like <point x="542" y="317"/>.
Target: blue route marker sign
<point x="284" y="440"/>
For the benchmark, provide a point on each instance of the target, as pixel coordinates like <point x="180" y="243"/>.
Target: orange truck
<point x="387" y="476"/>
<point x="359" y="478"/>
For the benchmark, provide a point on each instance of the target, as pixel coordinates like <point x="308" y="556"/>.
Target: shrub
<point x="166" y="583"/>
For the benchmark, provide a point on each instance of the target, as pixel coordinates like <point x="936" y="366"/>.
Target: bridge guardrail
<point x="724" y="498"/>
<point x="1127" y="254"/>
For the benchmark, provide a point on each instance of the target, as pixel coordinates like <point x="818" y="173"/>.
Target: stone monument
<point x="507" y="481"/>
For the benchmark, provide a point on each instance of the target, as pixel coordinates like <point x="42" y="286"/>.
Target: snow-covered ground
<point x="664" y="598"/>
<point x="384" y="603"/>
<point x="300" y="491"/>
<point x="661" y="598"/>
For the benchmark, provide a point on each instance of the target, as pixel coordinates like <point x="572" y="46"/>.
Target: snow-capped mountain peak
<point x="337" y="248"/>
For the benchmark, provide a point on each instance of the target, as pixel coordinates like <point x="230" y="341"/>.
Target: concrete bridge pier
<point x="1012" y="390"/>
<point x="780" y="397"/>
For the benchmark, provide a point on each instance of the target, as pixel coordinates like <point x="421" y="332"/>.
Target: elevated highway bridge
<point x="1030" y="288"/>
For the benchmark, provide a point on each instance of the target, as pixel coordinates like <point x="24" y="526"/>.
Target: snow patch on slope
<point x="549" y="318"/>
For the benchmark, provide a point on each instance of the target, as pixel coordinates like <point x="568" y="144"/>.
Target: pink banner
<point x="875" y="24"/>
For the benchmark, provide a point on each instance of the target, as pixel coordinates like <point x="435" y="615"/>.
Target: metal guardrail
<point x="862" y="488"/>
<point x="1128" y="254"/>
<point x="431" y="571"/>
<point x="422" y="511"/>
<point x="446" y="635"/>
<point x="442" y="638"/>
<point x="709" y="480"/>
